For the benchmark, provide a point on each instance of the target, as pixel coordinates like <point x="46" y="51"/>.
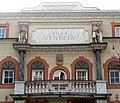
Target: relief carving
<point x="59" y="59"/>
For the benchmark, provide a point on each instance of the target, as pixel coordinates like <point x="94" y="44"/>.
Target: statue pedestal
<point x="101" y="87"/>
<point x="101" y="101"/>
<point x="19" y="87"/>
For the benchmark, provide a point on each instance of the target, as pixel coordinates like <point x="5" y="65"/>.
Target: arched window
<point x="81" y="68"/>
<point x="37" y="68"/>
<point x="8" y="69"/>
<point x="114" y="72"/>
<point x="59" y="75"/>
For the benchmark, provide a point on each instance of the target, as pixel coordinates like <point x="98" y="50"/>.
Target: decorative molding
<point x="82" y="14"/>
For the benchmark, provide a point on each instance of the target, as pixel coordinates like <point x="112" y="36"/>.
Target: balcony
<point x="60" y="87"/>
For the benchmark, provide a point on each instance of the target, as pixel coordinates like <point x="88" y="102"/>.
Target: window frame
<point x="81" y="66"/>
<point x="6" y="26"/>
<point x="114" y="77"/>
<point x="8" y="68"/>
<point x="114" y="25"/>
<point x="116" y="32"/>
<point x="37" y="65"/>
<point x="1" y="34"/>
<point x="59" y="72"/>
<point x="34" y="70"/>
<point x="106" y="74"/>
<point x="86" y="78"/>
<point x="3" y="76"/>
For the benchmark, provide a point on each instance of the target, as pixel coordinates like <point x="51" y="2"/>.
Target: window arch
<point x="37" y="70"/>
<point x="84" y="64"/>
<point x="114" y="72"/>
<point x="8" y="70"/>
<point x="111" y="72"/>
<point x="59" y="75"/>
<point x="60" y="69"/>
<point x="81" y="70"/>
<point x="33" y="64"/>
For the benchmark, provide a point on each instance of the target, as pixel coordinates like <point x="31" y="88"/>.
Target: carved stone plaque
<point x="60" y="35"/>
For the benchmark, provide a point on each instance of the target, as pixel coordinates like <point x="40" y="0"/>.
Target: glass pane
<point x="117" y="80"/>
<point x="37" y="75"/>
<point x="112" y="74"/>
<point x="118" y="32"/>
<point x="11" y="73"/>
<point x="10" y="80"/>
<point x="81" y="75"/>
<point x="6" y="73"/>
<point x="112" y="80"/>
<point x="116" y="74"/>
<point x="84" y="74"/>
<point x="6" y="80"/>
<point x="2" y="32"/>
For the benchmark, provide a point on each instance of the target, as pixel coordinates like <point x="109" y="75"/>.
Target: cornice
<point x="71" y="14"/>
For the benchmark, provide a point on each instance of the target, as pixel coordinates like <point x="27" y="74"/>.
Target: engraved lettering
<point x="60" y="35"/>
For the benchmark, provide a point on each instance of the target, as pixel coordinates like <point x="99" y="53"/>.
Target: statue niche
<point x="22" y="34"/>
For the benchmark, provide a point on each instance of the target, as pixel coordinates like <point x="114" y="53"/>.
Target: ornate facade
<point x="60" y="53"/>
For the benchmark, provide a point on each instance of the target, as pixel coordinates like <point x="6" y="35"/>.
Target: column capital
<point x="97" y="50"/>
<point x="24" y="51"/>
<point x="99" y="46"/>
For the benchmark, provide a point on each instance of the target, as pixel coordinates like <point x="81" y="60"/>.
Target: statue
<point x="22" y="34"/>
<point x="97" y="33"/>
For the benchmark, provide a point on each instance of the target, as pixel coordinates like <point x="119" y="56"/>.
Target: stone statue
<point x="22" y="34"/>
<point x="97" y="33"/>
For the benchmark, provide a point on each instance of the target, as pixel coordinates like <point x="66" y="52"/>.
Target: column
<point x="98" y="64"/>
<point x="21" y="71"/>
<point x="100" y="83"/>
<point x="20" y="84"/>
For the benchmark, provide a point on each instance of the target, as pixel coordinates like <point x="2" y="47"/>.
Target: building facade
<point x="60" y="53"/>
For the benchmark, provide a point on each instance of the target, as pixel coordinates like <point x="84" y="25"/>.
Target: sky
<point x="17" y="5"/>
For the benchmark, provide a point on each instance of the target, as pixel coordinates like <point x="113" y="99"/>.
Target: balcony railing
<point x="60" y="86"/>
